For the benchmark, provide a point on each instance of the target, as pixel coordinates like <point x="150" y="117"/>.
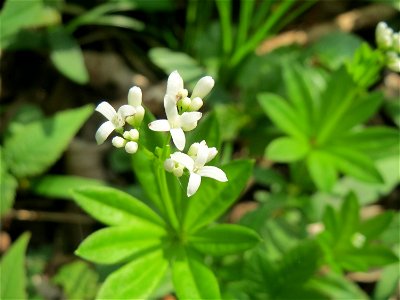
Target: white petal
<point x="135" y="96"/>
<point x="159" y="125"/>
<point x="178" y="137"/>
<point x="188" y="118"/>
<point x="170" y="108"/>
<point x="126" y="111"/>
<point x="194" y="184"/>
<point x="213" y="172"/>
<point x="203" y="87"/>
<point x="106" y="110"/>
<point x="184" y="160"/>
<point x="212" y="152"/>
<point x="202" y="155"/>
<point x="104" y="131"/>
<point x="174" y="84"/>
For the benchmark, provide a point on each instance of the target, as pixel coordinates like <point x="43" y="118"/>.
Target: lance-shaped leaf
<point x="113" y="207"/>
<point x="322" y="170"/>
<point x="192" y="278"/>
<point x="214" y="198"/>
<point x="34" y="148"/>
<point x="283" y="115"/>
<point x="224" y="239"/>
<point x="12" y="270"/>
<point x="114" y="244"/>
<point x="287" y="149"/>
<point x="136" y="280"/>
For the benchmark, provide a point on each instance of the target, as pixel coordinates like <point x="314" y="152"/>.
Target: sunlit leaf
<point x="286" y="149"/>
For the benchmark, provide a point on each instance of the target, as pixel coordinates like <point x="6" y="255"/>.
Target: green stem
<point x="224" y="9"/>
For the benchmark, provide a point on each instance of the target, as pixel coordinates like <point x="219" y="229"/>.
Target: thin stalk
<point x="297" y="12"/>
<point x="261" y="13"/>
<point x="224" y="9"/>
<point x="246" y="11"/>
<point x="260" y="34"/>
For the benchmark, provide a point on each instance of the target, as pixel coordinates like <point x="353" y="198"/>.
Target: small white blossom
<point x="383" y="35"/>
<point x="173" y="167"/>
<point x="200" y="154"/>
<point x="393" y="61"/>
<point x="116" y="120"/>
<point x="175" y="123"/>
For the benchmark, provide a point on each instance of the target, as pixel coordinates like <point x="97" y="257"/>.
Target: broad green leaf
<point x="322" y="170"/>
<point x="137" y="279"/>
<point x="61" y="186"/>
<point x="78" y="280"/>
<point x="114" y="207"/>
<point x="388" y="282"/>
<point x="360" y="111"/>
<point x="213" y="198"/>
<point x="348" y="220"/>
<point x="208" y="130"/>
<point x="192" y="278"/>
<point x="287" y="149"/>
<point x="115" y="244"/>
<point x="12" y="270"/>
<point x="354" y="163"/>
<point x="371" y="256"/>
<point x="8" y="186"/>
<point x="170" y="61"/>
<point x="282" y="114"/>
<point x="336" y="286"/>
<point x="38" y="145"/>
<point x="337" y="98"/>
<point x="299" y="93"/>
<point x="66" y="55"/>
<point x="224" y="239"/>
<point x="377" y="141"/>
<point x="371" y="228"/>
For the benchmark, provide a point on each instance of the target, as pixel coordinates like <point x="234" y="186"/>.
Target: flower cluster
<point x="389" y="42"/>
<point x="131" y="114"/>
<point x="182" y="115"/>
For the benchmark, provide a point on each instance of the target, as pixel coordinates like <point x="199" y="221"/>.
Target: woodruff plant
<point x="171" y="231"/>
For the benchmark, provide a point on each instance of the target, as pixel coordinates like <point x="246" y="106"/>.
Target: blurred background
<point x="60" y="58"/>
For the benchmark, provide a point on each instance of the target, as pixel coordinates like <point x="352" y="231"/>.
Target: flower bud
<point x="118" y="142"/>
<point x="131" y="147"/>
<point x="383" y="35"/>
<point x="169" y="165"/>
<point x="193" y="149"/>
<point x="178" y="171"/>
<point x="135" y="96"/>
<point x="132" y="135"/>
<point x="196" y="104"/>
<point x="203" y="87"/>
<point x="393" y="61"/>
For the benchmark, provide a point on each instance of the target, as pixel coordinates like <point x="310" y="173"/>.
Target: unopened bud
<point x="169" y="165"/>
<point x="196" y="104"/>
<point x="118" y="142"/>
<point x="383" y="35"/>
<point x="131" y="147"/>
<point x="178" y="171"/>
<point x="203" y="87"/>
<point x="135" y="96"/>
<point x="132" y="135"/>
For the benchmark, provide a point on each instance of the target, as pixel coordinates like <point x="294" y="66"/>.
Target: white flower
<point x="176" y="124"/>
<point x="116" y="120"/>
<point x="383" y="34"/>
<point x="135" y="100"/>
<point x="200" y="155"/>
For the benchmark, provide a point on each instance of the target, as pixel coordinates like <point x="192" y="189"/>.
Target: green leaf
<point x="136" y="280"/>
<point x="287" y="149"/>
<point x="213" y="198"/>
<point x="61" y="186"/>
<point x="78" y="280"/>
<point x="224" y="239"/>
<point x="170" y="61"/>
<point x="192" y="278"/>
<point x="388" y="282"/>
<point x="114" y="207"/>
<point x="373" y="227"/>
<point x="377" y="141"/>
<point x="66" y="55"/>
<point x="282" y="114"/>
<point x="322" y="170"/>
<point x="119" y="21"/>
<point x="12" y="270"/>
<point x="360" y="111"/>
<point x="33" y="149"/>
<point x="354" y="163"/>
<point x="115" y="244"/>
<point x="348" y="219"/>
<point x="8" y="187"/>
